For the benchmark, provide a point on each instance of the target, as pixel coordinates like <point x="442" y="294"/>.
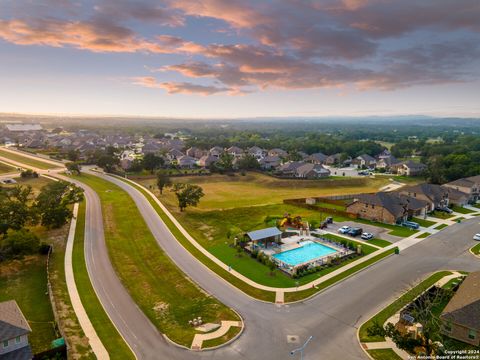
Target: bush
<point x="18" y="243"/>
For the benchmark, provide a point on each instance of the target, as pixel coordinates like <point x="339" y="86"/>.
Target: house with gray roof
<point x="365" y="160"/>
<point x="311" y="171"/>
<point x="461" y="317"/>
<point x="468" y="186"/>
<point x="14" y="331"/>
<point x="317" y="158"/>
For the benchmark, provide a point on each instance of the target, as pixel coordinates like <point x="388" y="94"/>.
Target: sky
<point x="240" y="58"/>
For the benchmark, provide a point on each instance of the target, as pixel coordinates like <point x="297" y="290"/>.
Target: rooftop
<point x="12" y="321"/>
<point x="263" y="233"/>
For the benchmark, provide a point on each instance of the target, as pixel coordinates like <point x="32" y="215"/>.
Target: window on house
<point x="18" y="339"/>
<point x="472" y="334"/>
<point x="5" y="343"/>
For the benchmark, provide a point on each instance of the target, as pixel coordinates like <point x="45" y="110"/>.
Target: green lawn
<point x="5" y="169"/>
<point x="440" y="227"/>
<point x="26" y="160"/>
<point x="106" y="331"/>
<point x="423" y="235"/>
<point x="462" y="210"/>
<point x="476" y="249"/>
<point x="379" y="242"/>
<point x="159" y="288"/>
<point x="423" y="222"/>
<point x="441" y="215"/>
<point x="221" y="191"/>
<point x="35" y="183"/>
<point x="476" y="205"/>
<point x="26" y="282"/>
<point x="391" y="309"/>
<point x="384" y="354"/>
<point x="300" y="295"/>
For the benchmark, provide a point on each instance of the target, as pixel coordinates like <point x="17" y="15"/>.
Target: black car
<point x="355" y="232"/>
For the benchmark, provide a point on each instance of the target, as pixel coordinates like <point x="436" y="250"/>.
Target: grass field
<point x="476" y="249"/>
<point x="106" y="331"/>
<point x="462" y="210"/>
<point x="35" y="183"/>
<point x="26" y="282"/>
<point x="26" y="160"/>
<point x="441" y="215"/>
<point x="78" y="344"/>
<point x="379" y="242"/>
<point x="384" y="354"/>
<point x="5" y="169"/>
<point x="226" y="192"/>
<point x="391" y="309"/>
<point x="159" y="288"/>
<point x="423" y="222"/>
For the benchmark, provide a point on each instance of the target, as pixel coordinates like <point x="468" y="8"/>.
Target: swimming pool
<point x="308" y="251"/>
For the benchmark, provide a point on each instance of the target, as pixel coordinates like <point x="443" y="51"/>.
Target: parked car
<point x="363" y="173"/>
<point x="344" y="229"/>
<point x="355" y="232"/>
<point x="411" y="225"/>
<point x="367" y="236"/>
<point x="329" y="220"/>
<point x="476" y="237"/>
<point x="444" y="209"/>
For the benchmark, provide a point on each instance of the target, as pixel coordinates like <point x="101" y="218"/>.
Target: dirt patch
<point x="109" y="218"/>
<point x="161" y="309"/>
<point x="13" y="267"/>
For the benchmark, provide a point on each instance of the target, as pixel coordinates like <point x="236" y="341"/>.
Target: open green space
<point x="384" y="354"/>
<point x="233" y="331"/>
<point x="462" y="210"/>
<point x="106" y="331"/>
<point x="397" y="305"/>
<point x="300" y="295"/>
<point x="222" y="191"/>
<point x="423" y="222"/>
<point x="25" y="281"/>
<point x="379" y="242"/>
<point x="26" y="160"/>
<point x="5" y="169"/>
<point x="35" y="183"/>
<point x="440" y="227"/>
<point x="476" y="249"/>
<point x="160" y="289"/>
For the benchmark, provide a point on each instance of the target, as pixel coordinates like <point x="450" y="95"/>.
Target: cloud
<point x="179" y="87"/>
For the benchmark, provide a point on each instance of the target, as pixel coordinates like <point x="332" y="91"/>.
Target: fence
<point x="302" y="203"/>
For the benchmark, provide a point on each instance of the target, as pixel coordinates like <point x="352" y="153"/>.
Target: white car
<point x="476" y="237"/>
<point x="344" y="229"/>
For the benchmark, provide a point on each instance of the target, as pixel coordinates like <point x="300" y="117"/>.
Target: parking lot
<point x="378" y="232"/>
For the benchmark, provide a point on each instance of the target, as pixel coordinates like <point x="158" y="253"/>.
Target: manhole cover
<point x="292" y="339"/>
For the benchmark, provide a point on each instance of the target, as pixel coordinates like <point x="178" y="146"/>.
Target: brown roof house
<point x="14" y="330"/>
<point x="438" y="196"/>
<point x="409" y="168"/>
<point x="468" y="186"/>
<point x="461" y="316"/>
<point x="387" y="207"/>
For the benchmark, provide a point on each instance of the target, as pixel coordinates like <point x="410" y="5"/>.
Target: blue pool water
<point x="309" y="251"/>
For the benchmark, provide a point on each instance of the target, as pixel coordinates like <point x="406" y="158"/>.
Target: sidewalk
<point x="87" y="327"/>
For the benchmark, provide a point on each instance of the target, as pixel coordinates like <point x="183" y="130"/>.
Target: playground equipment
<point x="292" y="222"/>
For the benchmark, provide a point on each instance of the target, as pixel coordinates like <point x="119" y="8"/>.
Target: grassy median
<point x="106" y="331"/>
<point x="161" y="290"/>
<point x="26" y="160"/>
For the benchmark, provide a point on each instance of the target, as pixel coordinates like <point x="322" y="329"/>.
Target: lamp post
<point x="301" y="349"/>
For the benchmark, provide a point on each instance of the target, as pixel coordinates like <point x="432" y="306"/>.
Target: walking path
<point x="388" y="343"/>
<point x="222" y="330"/>
<point x="87" y="327"/>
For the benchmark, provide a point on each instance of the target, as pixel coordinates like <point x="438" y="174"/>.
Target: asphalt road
<point x="332" y="317"/>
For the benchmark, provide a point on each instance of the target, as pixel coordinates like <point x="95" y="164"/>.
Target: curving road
<point x="332" y="317"/>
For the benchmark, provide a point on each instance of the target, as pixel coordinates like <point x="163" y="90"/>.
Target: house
<point x="317" y="158"/>
<point x="438" y="196"/>
<point x="269" y="162"/>
<point x="257" y="152"/>
<point x="195" y="152"/>
<point x="23" y="127"/>
<point x="235" y="151"/>
<point x="151" y="148"/>
<point x="289" y="168"/>
<point x="278" y="152"/>
<point x="386" y="161"/>
<point x="311" y="171"/>
<point x="186" y="162"/>
<point x="14" y="331"/>
<point x="365" y="161"/>
<point x="174" y="154"/>
<point x="461" y="317"/>
<point x="333" y="159"/>
<point x="387" y="207"/>
<point x="409" y="168"/>
<point x="216" y="151"/>
<point x="206" y="160"/>
<point x="468" y="186"/>
<point x="267" y="235"/>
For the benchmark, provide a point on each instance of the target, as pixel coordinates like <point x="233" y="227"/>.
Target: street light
<point x="301" y="349"/>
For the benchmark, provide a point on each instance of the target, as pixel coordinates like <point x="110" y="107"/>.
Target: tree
<point x="107" y="162"/>
<point x="29" y="174"/>
<point x="187" y="194"/>
<point x="152" y="162"/>
<point x="74" y="167"/>
<point x="248" y="162"/>
<point x="163" y="180"/>
<point x="73" y="155"/>
<point x="18" y="243"/>
<point x="15" y="212"/>
<point x="53" y="203"/>
<point x="224" y="163"/>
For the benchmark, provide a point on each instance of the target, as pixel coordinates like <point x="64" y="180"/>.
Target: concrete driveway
<point x="377" y="231"/>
